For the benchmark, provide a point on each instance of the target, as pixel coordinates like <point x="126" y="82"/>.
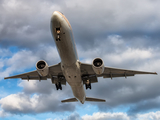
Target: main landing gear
<point x="58" y="86"/>
<point x="86" y="81"/>
<point x="58" y="82"/>
<point x="88" y="84"/>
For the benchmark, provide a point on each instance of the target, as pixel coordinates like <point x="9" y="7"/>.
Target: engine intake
<point x="98" y="66"/>
<point x="42" y="68"/>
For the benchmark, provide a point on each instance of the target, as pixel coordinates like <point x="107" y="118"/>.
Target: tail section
<point x="87" y="99"/>
<point x="94" y="99"/>
<point x="70" y="100"/>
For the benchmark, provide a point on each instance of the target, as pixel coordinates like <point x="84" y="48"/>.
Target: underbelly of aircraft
<point x="72" y="74"/>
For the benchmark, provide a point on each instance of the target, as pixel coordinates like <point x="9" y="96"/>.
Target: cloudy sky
<point x="124" y="33"/>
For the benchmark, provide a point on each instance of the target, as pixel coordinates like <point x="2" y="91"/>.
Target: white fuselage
<point x="70" y="65"/>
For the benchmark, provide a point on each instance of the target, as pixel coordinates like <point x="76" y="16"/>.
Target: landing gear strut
<point x="58" y="86"/>
<point x="88" y="84"/>
<point x="58" y="82"/>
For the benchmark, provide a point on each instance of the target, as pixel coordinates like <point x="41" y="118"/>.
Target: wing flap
<point x="116" y="75"/>
<point x="34" y="78"/>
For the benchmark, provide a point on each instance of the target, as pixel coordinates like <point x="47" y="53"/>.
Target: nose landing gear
<point x="58" y="31"/>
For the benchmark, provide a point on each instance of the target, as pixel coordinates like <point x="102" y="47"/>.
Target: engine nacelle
<point x="42" y="68"/>
<point x="98" y="66"/>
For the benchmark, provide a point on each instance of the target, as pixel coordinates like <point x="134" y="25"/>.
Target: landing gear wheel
<point x="58" y="86"/>
<point x="88" y="86"/>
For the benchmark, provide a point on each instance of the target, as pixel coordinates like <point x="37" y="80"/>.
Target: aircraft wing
<point x="110" y="72"/>
<point x="54" y="71"/>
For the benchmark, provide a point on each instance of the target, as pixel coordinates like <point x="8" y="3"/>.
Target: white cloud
<point x="4" y="114"/>
<point x="22" y="103"/>
<point x="17" y="102"/>
<point x="34" y="86"/>
<point x="49" y="119"/>
<point x="22" y="59"/>
<point x="25" y="59"/>
<point x="115" y="52"/>
<point x="17" y="62"/>
<point x="116" y="39"/>
<point x="122" y="116"/>
<point x="130" y="55"/>
<point x="106" y="116"/>
<point x="149" y="116"/>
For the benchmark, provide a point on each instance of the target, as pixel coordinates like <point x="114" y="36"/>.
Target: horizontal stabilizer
<point x="94" y="99"/>
<point x="70" y="100"/>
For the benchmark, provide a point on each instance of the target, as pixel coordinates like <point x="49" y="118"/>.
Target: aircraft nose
<point x="56" y="16"/>
<point x="56" y="20"/>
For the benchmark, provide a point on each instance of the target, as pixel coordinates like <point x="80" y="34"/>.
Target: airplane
<point x="70" y="69"/>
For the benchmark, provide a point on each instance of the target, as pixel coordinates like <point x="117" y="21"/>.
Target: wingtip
<point x="156" y="73"/>
<point x="7" y="78"/>
<point x="95" y="99"/>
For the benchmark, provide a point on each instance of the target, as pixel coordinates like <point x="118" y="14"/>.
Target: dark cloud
<point x="22" y="21"/>
<point x="145" y="106"/>
<point x="127" y="18"/>
<point x="43" y="87"/>
<point x="127" y="92"/>
<point x="31" y="24"/>
<point x="74" y="116"/>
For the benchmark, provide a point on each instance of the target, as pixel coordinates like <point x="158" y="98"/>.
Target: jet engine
<point x="98" y="66"/>
<point x="42" y="68"/>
